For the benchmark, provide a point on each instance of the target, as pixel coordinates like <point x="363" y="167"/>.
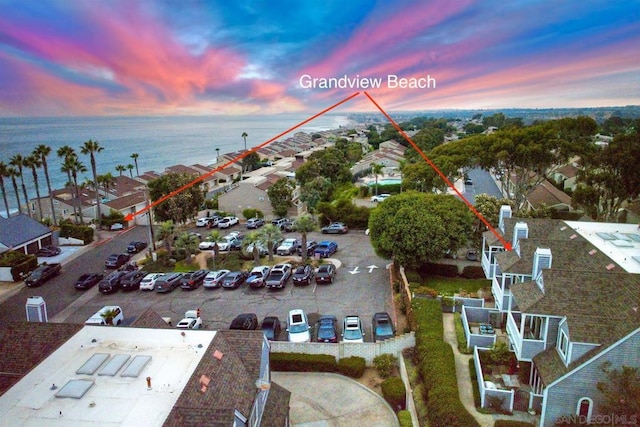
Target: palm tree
<point x="189" y="243"/>
<point x="13" y="174"/>
<point x="72" y="166"/>
<point x="167" y="233"/>
<point x="244" y="136"/>
<point x="216" y="238"/>
<point x="217" y="154"/>
<point x="130" y="167"/>
<point x="4" y="173"/>
<point x="269" y="235"/>
<point x="18" y="162"/>
<point x="376" y="168"/>
<point x="33" y="162"/>
<point x="43" y="151"/>
<point x="66" y="152"/>
<point x="91" y="148"/>
<point x="109" y="315"/>
<point x="253" y="239"/>
<point x="121" y="168"/>
<point x="106" y="181"/>
<point x="135" y="156"/>
<point x="304" y="225"/>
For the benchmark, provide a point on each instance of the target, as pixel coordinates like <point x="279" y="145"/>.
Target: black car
<point x="245" y="321"/>
<point x="48" y="251"/>
<point x="111" y="283"/>
<point x="327" y="329"/>
<point x="234" y="279"/>
<point x="88" y="280"/>
<point x="382" y="327"/>
<point x="271" y="328"/>
<point x="167" y="282"/>
<point x="311" y="248"/>
<point x="131" y="280"/>
<point x="325" y="273"/>
<point x="193" y="279"/>
<point x="135" y="247"/>
<point x="303" y="275"/>
<point x="117" y="260"/>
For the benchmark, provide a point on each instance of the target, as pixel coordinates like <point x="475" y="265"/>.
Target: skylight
<point x="136" y="366"/>
<point x="92" y="365"/>
<point x="75" y="388"/>
<point x="606" y="236"/>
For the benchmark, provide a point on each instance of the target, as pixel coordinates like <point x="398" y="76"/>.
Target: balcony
<point x="525" y="341"/>
<point x="488" y="265"/>
<point x="501" y="293"/>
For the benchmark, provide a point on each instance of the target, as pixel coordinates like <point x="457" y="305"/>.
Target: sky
<point x="190" y="57"/>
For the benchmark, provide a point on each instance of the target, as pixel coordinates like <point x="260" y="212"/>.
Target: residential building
<point x="569" y="294"/>
<point x="24" y="234"/>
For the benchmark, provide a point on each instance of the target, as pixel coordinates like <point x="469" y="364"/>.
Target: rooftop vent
<point x="593" y="252"/>
<point x="541" y="260"/>
<point x="505" y="212"/>
<point x="610" y="266"/>
<point x="218" y="354"/>
<point x="520" y="231"/>
<point x="573" y="236"/>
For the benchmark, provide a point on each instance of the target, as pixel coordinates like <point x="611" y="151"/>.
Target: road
<point x="361" y="287"/>
<point x="483" y="183"/>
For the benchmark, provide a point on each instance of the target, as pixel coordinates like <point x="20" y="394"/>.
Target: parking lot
<point x="361" y="287"/>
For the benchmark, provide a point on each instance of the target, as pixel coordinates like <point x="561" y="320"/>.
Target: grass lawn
<point x="451" y="285"/>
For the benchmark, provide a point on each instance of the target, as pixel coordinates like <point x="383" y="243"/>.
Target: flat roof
<point x="116" y="392"/>
<point x="620" y="242"/>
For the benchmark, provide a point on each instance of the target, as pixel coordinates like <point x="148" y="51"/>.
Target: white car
<point x="206" y="245"/>
<point x="148" y="282"/>
<point x="298" y="326"/>
<point x="214" y="278"/>
<point x="352" y="330"/>
<point x="191" y="320"/>
<point x="229" y="242"/>
<point x="287" y="247"/>
<point x="380" y="197"/>
<point x="203" y="222"/>
<point x="228" y="221"/>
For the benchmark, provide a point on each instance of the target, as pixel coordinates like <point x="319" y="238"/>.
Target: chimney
<point x="541" y="259"/>
<point x="505" y="212"/>
<point x="520" y="231"/>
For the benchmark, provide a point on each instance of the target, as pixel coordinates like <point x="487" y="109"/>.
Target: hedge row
<point x="353" y="366"/>
<point x="394" y="393"/>
<point x="473" y="272"/>
<point x="444" y="270"/>
<point x="81" y="232"/>
<point x="299" y="362"/>
<point x="436" y="363"/>
<point x="404" y="417"/>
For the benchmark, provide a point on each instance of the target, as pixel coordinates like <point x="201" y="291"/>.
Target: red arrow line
<point x="506" y="244"/>
<point x="130" y="216"/>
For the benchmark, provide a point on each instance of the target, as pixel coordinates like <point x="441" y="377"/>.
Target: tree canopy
<point x="181" y="206"/>
<point x="415" y="228"/>
<point x="281" y="196"/>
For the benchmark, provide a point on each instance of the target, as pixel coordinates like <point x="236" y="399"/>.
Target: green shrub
<point x="299" y="362"/>
<point x="394" y="392"/>
<point x="11" y="258"/>
<point x="512" y="423"/>
<point x="404" y="417"/>
<point x="364" y="191"/>
<point x="474" y="383"/>
<point x="211" y="203"/>
<point x="385" y="364"/>
<point x="352" y="366"/>
<point x="81" y="232"/>
<point x="413" y="276"/>
<point x="19" y="271"/>
<point x="252" y="213"/>
<point x="473" y="272"/>
<point x="445" y="270"/>
<point x="460" y="336"/>
<point x="425" y="290"/>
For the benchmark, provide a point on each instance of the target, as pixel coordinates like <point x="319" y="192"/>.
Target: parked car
<point x="234" y="279"/>
<point x="116" y="226"/>
<point x="258" y="275"/>
<point x="303" y="274"/>
<point x="382" y="327"/>
<point x="327" y="329"/>
<point x="48" y="251"/>
<point x="288" y="247"/>
<point x="207" y="245"/>
<point x="245" y="321"/>
<point x="230" y="243"/>
<point x="254" y="223"/>
<point x="468" y="181"/>
<point x="131" y="280"/>
<point x="42" y="273"/>
<point x="311" y="247"/>
<point x="228" y="221"/>
<point x="135" y="247"/>
<point x="111" y="283"/>
<point x="88" y="280"/>
<point x="262" y="249"/>
<point x="193" y="279"/>
<point x="472" y="255"/>
<point x="298" y="326"/>
<point x="191" y="320"/>
<point x="334" y="228"/>
<point x="278" y="276"/>
<point x="279" y="222"/>
<point x="117" y="260"/>
<point x="213" y="278"/>
<point x="271" y="328"/>
<point x="206" y="221"/>
<point x="325" y="249"/>
<point x="352" y="330"/>
<point x="380" y="197"/>
<point x="325" y="273"/>
<point x="148" y="282"/>
<point x="167" y="282"/>
<point x="288" y="226"/>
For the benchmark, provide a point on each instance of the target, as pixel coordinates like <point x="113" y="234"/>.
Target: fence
<point x="366" y="350"/>
<point x="489" y="395"/>
<point x="477" y="315"/>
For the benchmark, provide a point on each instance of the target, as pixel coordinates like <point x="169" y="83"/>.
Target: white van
<point x="98" y="318"/>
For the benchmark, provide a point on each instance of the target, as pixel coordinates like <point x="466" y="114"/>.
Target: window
<point x="584" y="408"/>
<point x="563" y="344"/>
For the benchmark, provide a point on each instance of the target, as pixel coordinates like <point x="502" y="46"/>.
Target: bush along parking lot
<point x="436" y="364"/>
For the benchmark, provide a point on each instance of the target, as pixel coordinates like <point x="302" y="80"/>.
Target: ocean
<point x="159" y="141"/>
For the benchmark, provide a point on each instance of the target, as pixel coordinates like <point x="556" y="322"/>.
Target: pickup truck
<point x="41" y="274"/>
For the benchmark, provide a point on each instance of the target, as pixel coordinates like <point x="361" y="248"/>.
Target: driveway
<point x="321" y="399"/>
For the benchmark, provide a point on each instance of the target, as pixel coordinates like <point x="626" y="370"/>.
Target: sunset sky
<point x="129" y="57"/>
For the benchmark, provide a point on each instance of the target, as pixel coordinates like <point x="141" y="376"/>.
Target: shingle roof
<point x="546" y="194"/>
<point x="150" y="319"/>
<point x="43" y="339"/>
<point x="231" y="382"/>
<point x="127" y="201"/>
<point x="19" y="229"/>
<point x="276" y="410"/>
